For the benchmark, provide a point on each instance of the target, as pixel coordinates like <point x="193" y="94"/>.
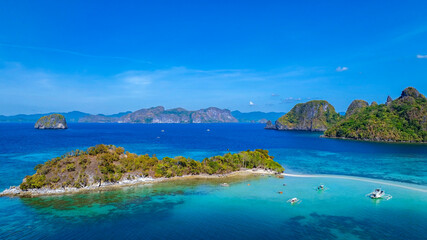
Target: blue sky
<point x="242" y="55"/>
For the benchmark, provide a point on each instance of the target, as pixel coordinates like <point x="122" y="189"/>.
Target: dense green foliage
<point x="316" y="115"/>
<point x="402" y="120"/>
<point x="104" y="163"/>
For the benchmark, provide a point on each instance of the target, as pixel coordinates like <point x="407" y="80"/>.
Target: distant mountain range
<point x="155" y="115"/>
<point x="256" y="117"/>
<point x="25" y="118"/>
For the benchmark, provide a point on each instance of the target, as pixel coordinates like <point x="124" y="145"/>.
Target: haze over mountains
<point x="155" y="115"/>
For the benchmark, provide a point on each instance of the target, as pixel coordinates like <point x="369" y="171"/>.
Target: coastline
<point x="371" y="140"/>
<point x="14" y="191"/>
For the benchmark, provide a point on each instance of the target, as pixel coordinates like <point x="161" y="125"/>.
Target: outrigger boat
<point x="294" y="201"/>
<point x="379" y="194"/>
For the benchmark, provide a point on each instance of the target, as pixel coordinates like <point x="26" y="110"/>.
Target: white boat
<point x="294" y="200"/>
<point x="208" y="130"/>
<point x="225" y="185"/>
<point x="378" y="194"/>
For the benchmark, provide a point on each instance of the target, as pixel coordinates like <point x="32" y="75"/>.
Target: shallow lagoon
<point x="203" y="209"/>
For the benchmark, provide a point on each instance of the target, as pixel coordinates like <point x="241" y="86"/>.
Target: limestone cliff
<point x="161" y="115"/>
<point x="315" y="115"/>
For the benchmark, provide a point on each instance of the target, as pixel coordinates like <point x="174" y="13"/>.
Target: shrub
<point x="71" y="167"/>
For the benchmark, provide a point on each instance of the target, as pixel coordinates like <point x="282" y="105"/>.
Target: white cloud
<point x="421" y="56"/>
<point x="131" y="90"/>
<point x="341" y="69"/>
<point x="135" y="78"/>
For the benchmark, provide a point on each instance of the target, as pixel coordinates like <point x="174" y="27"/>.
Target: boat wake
<point x="356" y="179"/>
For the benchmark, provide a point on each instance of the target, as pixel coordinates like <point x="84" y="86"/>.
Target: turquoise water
<point x="201" y="209"/>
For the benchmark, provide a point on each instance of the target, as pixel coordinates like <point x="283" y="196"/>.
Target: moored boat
<point x="378" y="194"/>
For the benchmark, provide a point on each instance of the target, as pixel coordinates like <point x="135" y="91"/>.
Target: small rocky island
<point x="108" y="166"/>
<point x="53" y="121"/>
<point x="401" y="120"/>
<point x="316" y="115"/>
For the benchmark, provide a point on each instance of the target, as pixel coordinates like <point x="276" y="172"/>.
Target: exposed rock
<point x="355" y="106"/>
<point x="53" y="121"/>
<point x="269" y="125"/>
<point x="263" y="121"/>
<point x="315" y="115"/>
<point x="400" y="120"/>
<point x="177" y="115"/>
<point x="389" y="100"/>
<point x="411" y="92"/>
<point x="212" y="115"/>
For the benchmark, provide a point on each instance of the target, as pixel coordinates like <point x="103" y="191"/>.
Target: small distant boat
<point x="208" y="130"/>
<point x="321" y="187"/>
<point x="225" y="185"/>
<point x="163" y="130"/>
<point x="294" y="201"/>
<point x="379" y="194"/>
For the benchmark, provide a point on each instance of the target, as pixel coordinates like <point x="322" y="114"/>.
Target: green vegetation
<point x="108" y="163"/>
<point x="401" y="120"/>
<point x="52" y="121"/>
<point x="355" y="106"/>
<point x="315" y="115"/>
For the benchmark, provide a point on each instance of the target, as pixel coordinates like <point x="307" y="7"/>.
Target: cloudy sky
<point x="242" y="55"/>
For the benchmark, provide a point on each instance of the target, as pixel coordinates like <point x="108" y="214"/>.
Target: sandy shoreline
<point x="362" y="179"/>
<point x="17" y="192"/>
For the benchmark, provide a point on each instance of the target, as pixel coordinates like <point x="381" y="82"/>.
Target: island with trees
<point x="108" y="165"/>
<point x="52" y="121"/>
<point x="316" y="115"/>
<point x="401" y="120"/>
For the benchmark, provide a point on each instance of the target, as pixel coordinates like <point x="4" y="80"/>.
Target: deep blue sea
<point x="201" y="209"/>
